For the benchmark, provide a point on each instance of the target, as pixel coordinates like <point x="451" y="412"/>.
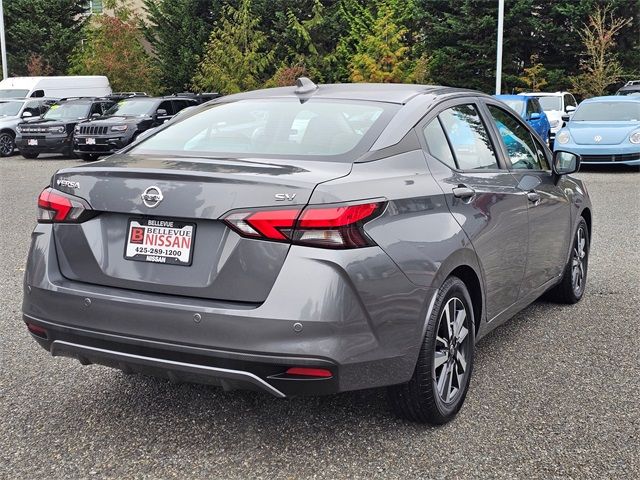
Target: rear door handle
<point x="534" y="197"/>
<point x="463" y="192"/>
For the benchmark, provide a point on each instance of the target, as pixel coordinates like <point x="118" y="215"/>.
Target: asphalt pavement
<point x="555" y="391"/>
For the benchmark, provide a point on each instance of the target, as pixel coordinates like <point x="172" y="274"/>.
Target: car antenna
<point x="305" y="85"/>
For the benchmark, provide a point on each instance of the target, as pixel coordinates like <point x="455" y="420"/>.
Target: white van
<point x="55" y="87"/>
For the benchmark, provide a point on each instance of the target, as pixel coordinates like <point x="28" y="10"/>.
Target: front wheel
<point x="7" y="144"/>
<point x="441" y="378"/>
<point x="574" y="281"/>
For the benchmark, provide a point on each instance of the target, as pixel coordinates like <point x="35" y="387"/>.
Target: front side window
<point x="275" y="127"/>
<point x="521" y="147"/>
<point x="468" y="137"/>
<point x="531" y="108"/>
<point x="68" y="111"/>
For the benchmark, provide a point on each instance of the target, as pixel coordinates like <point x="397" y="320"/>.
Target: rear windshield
<point x="68" y="111"/>
<point x="317" y="129"/>
<point x="10" y="108"/>
<point x="13" y="93"/>
<point x="608" y="112"/>
<point x="134" y="108"/>
<point x="550" y="103"/>
<point x="517" y="105"/>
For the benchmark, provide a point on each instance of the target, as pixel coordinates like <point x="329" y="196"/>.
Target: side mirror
<point x="535" y="116"/>
<point x="161" y="112"/>
<point x="95" y="115"/>
<point x="569" y="109"/>
<point x="565" y="163"/>
<point x="566" y="117"/>
<point x="27" y="114"/>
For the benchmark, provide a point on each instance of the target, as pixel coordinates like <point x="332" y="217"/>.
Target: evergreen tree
<point x="42" y="34"/>
<point x="236" y="56"/>
<point x="178" y="31"/>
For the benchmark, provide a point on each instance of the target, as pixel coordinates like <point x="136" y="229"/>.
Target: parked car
<point x="632" y="87"/>
<point x="604" y="130"/>
<point x="555" y="105"/>
<point x="529" y="108"/>
<point x="276" y="240"/>
<point x="123" y="123"/>
<point x="55" y="87"/>
<point x="53" y="132"/>
<point x="12" y="112"/>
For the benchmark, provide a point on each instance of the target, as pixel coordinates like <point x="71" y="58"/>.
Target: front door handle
<point x="463" y="192"/>
<point x="534" y="197"/>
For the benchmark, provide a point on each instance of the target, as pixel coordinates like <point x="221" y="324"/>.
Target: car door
<point x="548" y="204"/>
<point x="482" y="195"/>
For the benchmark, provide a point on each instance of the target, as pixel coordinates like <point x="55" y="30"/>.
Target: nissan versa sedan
<point x="604" y="130"/>
<point x="310" y="240"/>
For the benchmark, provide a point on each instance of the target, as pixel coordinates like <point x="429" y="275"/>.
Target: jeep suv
<point x="123" y="122"/>
<point x="53" y="131"/>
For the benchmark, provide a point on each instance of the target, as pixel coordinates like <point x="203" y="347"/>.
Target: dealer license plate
<point x="90" y="141"/>
<point x="160" y="241"/>
<point x="32" y="141"/>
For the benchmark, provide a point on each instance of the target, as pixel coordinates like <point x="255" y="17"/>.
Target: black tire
<point x="30" y="155"/>
<point x="7" y="144"/>
<point x="569" y="290"/>
<point x="421" y="398"/>
<point x="89" y="157"/>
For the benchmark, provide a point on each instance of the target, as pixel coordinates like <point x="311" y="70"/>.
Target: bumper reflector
<point x="36" y="330"/>
<point x="309" y="372"/>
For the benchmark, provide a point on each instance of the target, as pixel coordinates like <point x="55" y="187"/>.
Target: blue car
<point x="603" y="130"/>
<point x="529" y="108"/>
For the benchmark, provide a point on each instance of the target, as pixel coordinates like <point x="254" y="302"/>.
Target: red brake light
<point x="334" y="226"/>
<point x="54" y="207"/>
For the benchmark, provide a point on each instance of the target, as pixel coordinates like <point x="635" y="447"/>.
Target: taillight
<point x="54" y="207"/>
<point x="329" y="226"/>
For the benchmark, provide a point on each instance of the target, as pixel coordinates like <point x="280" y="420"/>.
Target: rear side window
<point x="469" y="138"/>
<point x="437" y="143"/>
<point x="317" y="129"/>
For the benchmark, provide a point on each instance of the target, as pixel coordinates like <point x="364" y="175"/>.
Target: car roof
<point x="612" y="98"/>
<point x="544" y="94"/>
<point x="399" y="93"/>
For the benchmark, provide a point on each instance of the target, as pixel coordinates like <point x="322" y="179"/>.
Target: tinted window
<point x="166" y="106"/>
<point x="437" y="143"/>
<point x="531" y="108"/>
<point x="569" y="100"/>
<point x="182" y="104"/>
<point x="469" y="138"/>
<point x="521" y="148"/>
<point x="276" y="127"/>
<point x="608" y="112"/>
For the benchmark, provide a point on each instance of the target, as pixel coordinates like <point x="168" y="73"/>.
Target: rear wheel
<point x="89" y="157"/>
<point x="30" y="155"/>
<point x="7" y="144"/>
<point x="574" y="281"/>
<point x="441" y="378"/>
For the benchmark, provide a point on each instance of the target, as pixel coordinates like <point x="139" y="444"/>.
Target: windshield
<point x="517" y="105"/>
<point x="134" y="108"/>
<point x="13" y="93"/>
<point x="608" y="112"/>
<point x="68" y="111"/>
<point x="628" y="92"/>
<point x="275" y="127"/>
<point x="550" y="103"/>
<point x="10" y="109"/>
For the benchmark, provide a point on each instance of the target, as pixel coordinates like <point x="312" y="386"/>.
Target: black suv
<point x="123" y="122"/>
<point x="53" y="131"/>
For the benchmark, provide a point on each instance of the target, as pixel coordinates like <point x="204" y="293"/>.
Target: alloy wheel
<point x="6" y="144"/>
<point x="578" y="262"/>
<point x="451" y="351"/>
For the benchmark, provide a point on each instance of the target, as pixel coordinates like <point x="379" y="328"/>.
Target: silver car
<point x="310" y="240"/>
<point x="12" y="112"/>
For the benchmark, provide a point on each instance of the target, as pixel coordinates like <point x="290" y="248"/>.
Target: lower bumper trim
<point x="87" y="354"/>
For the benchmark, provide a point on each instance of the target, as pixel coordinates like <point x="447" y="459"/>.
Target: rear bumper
<point x="352" y="312"/>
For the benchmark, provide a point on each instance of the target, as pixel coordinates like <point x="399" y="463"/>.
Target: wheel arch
<point x="586" y="214"/>
<point x="9" y="131"/>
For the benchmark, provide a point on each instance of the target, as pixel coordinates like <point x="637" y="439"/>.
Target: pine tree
<point x="235" y="57"/>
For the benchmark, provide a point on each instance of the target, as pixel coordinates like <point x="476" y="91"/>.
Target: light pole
<point x="499" y="49"/>
<point x="3" y="43"/>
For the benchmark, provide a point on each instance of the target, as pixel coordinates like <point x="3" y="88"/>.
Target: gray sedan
<point x="310" y="240"/>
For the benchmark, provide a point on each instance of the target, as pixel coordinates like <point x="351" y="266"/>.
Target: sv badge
<point x="281" y="197"/>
